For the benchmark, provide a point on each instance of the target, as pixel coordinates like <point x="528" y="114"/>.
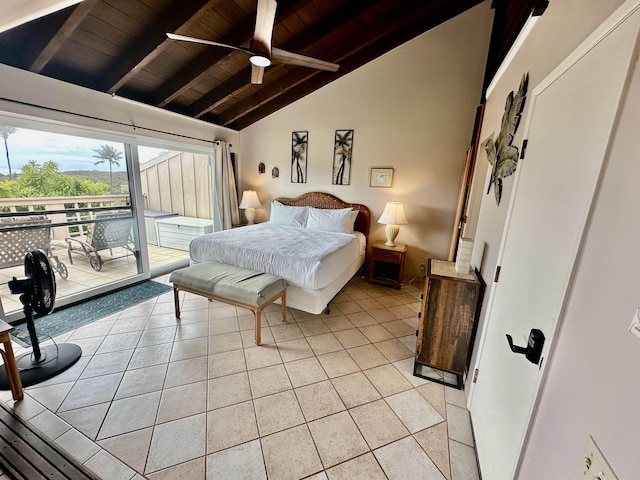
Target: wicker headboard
<point x="326" y="200"/>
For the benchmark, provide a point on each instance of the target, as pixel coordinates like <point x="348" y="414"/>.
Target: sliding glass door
<point x="74" y="198"/>
<point x="108" y="209"/>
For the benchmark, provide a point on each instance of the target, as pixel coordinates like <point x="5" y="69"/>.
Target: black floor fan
<point x="37" y="291"/>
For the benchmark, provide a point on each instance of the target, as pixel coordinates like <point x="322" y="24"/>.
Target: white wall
<point x="591" y="387"/>
<point x="412" y="109"/>
<point x="28" y="94"/>
<point x="564" y="25"/>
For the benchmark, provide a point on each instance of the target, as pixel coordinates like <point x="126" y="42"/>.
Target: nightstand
<point x="386" y="264"/>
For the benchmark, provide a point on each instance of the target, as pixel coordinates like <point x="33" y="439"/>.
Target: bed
<point x="315" y="263"/>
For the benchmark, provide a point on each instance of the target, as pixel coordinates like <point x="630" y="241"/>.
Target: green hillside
<point x="93" y="175"/>
<point x="99" y="176"/>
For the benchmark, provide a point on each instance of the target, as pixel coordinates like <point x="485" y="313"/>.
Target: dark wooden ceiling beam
<point x="400" y="26"/>
<point x="508" y="20"/>
<point x="325" y="27"/>
<point x="53" y="46"/>
<point x="539" y="7"/>
<point x="79" y="13"/>
<point x="155" y="41"/>
<point x="284" y="84"/>
<point x="191" y="73"/>
<point x="220" y="94"/>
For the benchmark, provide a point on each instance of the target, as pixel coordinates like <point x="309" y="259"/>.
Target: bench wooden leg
<point x="284" y="306"/>
<point x="13" y="376"/>
<point x="176" y="300"/>
<point x="258" y="326"/>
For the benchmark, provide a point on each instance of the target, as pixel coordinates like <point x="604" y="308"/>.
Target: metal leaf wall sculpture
<point x="501" y="154"/>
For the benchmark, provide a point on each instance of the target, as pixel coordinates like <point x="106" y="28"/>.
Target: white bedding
<point x="306" y="258"/>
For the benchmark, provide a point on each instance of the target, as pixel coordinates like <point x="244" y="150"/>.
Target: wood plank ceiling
<point x="120" y="47"/>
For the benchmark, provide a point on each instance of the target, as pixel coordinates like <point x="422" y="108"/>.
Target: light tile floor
<point x="328" y="396"/>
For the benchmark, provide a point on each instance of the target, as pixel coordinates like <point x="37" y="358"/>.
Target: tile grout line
<point x="283" y="363"/>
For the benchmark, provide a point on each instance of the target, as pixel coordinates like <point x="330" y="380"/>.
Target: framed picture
<point x="342" y="152"/>
<point x="381" y="177"/>
<point x="299" y="143"/>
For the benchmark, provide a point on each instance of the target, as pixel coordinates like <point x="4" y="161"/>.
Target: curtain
<point x="225" y="201"/>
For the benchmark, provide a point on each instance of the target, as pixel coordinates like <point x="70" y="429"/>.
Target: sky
<point x="69" y="152"/>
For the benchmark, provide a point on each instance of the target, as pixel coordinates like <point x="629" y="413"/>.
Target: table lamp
<point x="250" y="202"/>
<point x="392" y="216"/>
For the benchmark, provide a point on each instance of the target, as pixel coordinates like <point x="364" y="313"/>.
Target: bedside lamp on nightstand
<point x="393" y="216"/>
<point x="250" y="202"/>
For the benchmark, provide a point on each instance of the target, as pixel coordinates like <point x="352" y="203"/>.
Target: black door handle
<point x="533" y="350"/>
<point x="515" y="348"/>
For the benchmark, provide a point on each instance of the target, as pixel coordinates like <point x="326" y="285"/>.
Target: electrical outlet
<point x="594" y="466"/>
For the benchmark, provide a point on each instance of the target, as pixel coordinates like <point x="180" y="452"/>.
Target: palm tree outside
<point x="5" y="131"/>
<point x="107" y="153"/>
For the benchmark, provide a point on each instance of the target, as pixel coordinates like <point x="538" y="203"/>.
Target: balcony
<point x="121" y="265"/>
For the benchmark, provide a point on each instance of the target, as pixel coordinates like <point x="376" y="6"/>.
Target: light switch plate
<point x="594" y="466"/>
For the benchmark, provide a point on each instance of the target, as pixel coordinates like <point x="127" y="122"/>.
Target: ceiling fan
<point x="260" y="51"/>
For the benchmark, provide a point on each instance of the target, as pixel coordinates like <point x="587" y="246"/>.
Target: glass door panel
<point x="73" y="197"/>
<point x="176" y="186"/>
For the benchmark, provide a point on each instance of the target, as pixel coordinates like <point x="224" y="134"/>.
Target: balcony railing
<point x="70" y="216"/>
<point x="68" y="205"/>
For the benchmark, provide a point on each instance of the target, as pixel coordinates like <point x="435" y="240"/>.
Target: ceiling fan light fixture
<point x="260" y="60"/>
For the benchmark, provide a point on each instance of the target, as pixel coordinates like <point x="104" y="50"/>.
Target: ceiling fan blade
<point x="291" y="58"/>
<point x="265" y="18"/>
<point x="184" y="38"/>
<point x="256" y="74"/>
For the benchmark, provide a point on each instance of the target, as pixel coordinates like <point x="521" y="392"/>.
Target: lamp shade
<point x="250" y="200"/>
<point x="393" y="214"/>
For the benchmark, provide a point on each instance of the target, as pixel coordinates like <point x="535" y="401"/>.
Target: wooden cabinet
<point x="448" y="318"/>
<point x="386" y="264"/>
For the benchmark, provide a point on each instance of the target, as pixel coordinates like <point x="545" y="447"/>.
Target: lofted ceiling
<point x="121" y="47"/>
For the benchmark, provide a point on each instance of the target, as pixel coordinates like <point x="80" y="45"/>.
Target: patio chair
<point x="15" y="241"/>
<point x="110" y="230"/>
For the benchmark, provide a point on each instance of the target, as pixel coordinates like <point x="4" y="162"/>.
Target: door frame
<point x="626" y="10"/>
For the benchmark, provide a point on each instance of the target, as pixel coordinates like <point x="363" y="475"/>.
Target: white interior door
<point x="569" y="125"/>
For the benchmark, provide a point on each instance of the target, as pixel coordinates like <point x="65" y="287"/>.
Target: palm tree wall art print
<point x="342" y="151"/>
<point x="299" y="143"/>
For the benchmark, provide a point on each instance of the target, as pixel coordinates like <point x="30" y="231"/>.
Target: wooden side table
<point x="386" y="264"/>
<point x="448" y="319"/>
<point x="13" y="377"/>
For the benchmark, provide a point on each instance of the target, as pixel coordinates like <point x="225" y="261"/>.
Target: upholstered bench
<point x="232" y="285"/>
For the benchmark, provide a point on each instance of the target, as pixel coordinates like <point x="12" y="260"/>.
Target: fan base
<point x="55" y="359"/>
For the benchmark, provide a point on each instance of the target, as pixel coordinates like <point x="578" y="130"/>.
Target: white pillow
<point x="329" y="220"/>
<point x="288" y="215"/>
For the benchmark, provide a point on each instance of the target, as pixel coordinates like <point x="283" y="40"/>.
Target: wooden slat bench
<point x="25" y="453"/>
<point x="233" y="285"/>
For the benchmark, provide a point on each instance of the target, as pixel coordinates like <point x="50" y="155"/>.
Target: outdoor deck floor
<point x="82" y="276"/>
